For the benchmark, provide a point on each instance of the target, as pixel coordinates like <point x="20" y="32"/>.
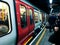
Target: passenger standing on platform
<point x="55" y="37"/>
<point x="51" y="21"/>
<point x="57" y="31"/>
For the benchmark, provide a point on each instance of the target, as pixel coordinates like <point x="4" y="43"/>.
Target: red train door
<point x="21" y="13"/>
<point x="31" y="19"/>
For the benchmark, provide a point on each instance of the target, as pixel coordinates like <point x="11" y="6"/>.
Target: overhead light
<point x="50" y="1"/>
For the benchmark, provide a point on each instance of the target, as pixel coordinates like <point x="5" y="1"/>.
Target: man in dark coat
<point x="51" y="21"/>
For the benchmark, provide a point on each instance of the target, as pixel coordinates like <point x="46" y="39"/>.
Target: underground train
<point x="18" y="21"/>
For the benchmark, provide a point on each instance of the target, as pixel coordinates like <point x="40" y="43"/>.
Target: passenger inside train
<point x="4" y="24"/>
<point x="23" y="16"/>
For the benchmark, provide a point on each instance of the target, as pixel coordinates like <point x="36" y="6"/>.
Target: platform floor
<point x="45" y="41"/>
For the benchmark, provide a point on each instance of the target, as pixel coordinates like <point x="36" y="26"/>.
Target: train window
<point x="23" y="16"/>
<point x="36" y="17"/>
<point x="40" y="16"/>
<point x="31" y="17"/>
<point x="5" y="26"/>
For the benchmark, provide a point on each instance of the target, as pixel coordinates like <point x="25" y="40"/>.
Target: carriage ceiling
<point x="45" y="5"/>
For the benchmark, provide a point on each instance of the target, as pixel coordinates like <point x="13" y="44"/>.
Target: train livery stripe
<point x="39" y="40"/>
<point x="28" y="40"/>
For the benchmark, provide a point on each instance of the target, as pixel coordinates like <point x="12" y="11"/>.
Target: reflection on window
<point x="36" y="17"/>
<point x="5" y="26"/>
<point x="40" y="16"/>
<point x="23" y="16"/>
<point x="31" y="16"/>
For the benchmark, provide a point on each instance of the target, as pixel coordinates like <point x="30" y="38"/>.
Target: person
<point x="3" y="17"/>
<point x="23" y="20"/>
<point x="57" y="31"/>
<point x="55" y="37"/>
<point x="4" y="25"/>
<point x="51" y="21"/>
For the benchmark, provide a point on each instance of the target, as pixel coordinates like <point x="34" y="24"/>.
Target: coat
<point x="55" y="37"/>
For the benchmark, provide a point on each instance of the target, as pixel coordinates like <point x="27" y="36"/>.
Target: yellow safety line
<point x="28" y="40"/>
<point x="41" y="37"/>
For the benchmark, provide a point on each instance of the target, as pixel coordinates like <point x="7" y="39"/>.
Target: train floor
<point x="45" y="41"/>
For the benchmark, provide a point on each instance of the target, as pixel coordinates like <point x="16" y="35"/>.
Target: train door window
<point x="36" y="17"/>
<point x="23" y="13"/>
<point x="31" y="16"/>
<point x="5" y="23"/>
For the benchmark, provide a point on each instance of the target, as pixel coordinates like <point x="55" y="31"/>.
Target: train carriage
<point x="18" y="21"/>
<point x="7" y="23"/>
<point x="24" y="20"/>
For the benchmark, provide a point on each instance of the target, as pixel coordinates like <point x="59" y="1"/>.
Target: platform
<point x="43" y="40"/>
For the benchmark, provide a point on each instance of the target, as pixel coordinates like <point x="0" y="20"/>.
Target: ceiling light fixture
<point x="50" y="1"/>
